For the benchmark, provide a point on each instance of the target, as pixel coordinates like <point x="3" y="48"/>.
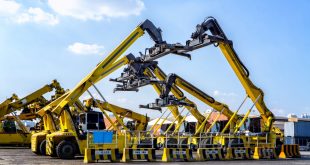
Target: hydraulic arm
<point x="109" y="64"/>
<point x="218" y="38"/>
<point x="4" y="106"/>
<point x="138" y="74"/>
<point x="175" y="80"/>
<point x="208" y="33"/>
<point x="141" y="120"/>
<point x="141" y="73"/>
<point x="156" y="72"/>
<point x="104" y="68"/>
<point x="28" y="106"/>
<point x="36" y="96"/>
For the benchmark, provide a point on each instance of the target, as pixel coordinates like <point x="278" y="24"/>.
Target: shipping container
<point x="297" y="129"/>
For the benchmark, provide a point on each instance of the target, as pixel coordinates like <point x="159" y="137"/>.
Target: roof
<point x="214" y="115"/>
<point x="152" y="122"/>
<point x="107" y="122"/>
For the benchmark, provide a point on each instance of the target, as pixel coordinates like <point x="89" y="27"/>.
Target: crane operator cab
<point x="8" y="126"/>
<point x="89" y="121"/>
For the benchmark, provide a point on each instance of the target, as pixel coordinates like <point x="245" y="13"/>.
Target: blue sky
<point x="51" y="39"/>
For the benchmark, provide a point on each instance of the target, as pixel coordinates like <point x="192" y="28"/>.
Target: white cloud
<point x="96" y="9"/>
<point x="38" y="16"/>
<point x="8" y="7"/>
<point x="85" y="49"/>
<point x="13" y="11"/>
<point x="218" y="93"/>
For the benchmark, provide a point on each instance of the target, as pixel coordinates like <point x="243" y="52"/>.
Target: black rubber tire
<point x="37" y="152"/>
<point x="66" y="150"/>
<point x="42" y="148"/>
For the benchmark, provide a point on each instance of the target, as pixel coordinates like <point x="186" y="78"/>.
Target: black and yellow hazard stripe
<point x="265" y="153"/>
<point x="290" y="151"/>
<point x="181" y="154"/>
<point x="95" y="154"/>
<point x="210" y="154"/>
<point x="49" y="147"/>
<point x="241" y="153"/>
<point x="130" y="154"/>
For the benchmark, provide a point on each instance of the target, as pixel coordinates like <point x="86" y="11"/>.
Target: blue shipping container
<point x="297" y="129"/>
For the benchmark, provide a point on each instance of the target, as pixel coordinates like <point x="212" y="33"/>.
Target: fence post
<point x="200" y="139"/>
<point x="139" y="137"/>
<point x="256" y="140"/>
<point x="266" y="139"/>
<point x="166" y="140"/>
<point x="178" y="142"/>
<point x="152" y="138"/>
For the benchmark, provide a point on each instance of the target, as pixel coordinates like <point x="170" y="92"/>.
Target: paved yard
<point x="9" y="155"/>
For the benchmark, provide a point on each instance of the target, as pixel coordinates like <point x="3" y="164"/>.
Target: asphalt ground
<point x="13" y="155"/>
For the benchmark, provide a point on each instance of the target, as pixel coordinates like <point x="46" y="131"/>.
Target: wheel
<point x="65" y="150"/>
<point x="42" y="147"/>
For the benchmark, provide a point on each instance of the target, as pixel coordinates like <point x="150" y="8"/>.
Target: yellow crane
<point x="67" y="136"/>
<point x="8" y="106"/>
<point x="4" y="106"/>
<point x="28" y="105"/>
<point x="209" y="32"/>
<point x="38" y="142"/>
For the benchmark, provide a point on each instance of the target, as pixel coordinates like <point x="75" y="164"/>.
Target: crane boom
<point x="200" y="38"/>
<point x="218" y="37"/>
<point x="33" y="97"/>
<point x="100" y="71"/>
<point x="140" y="73"/>
<point x="174" y="79"/>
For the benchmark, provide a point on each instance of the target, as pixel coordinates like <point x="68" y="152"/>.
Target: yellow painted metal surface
<point x="15" y="138"/>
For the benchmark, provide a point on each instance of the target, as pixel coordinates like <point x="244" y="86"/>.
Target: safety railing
<point x="206" y="140"/>
<point x="266" y="142"/>
<point x="139" y="139"/>
<point x="176" y="140"/>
